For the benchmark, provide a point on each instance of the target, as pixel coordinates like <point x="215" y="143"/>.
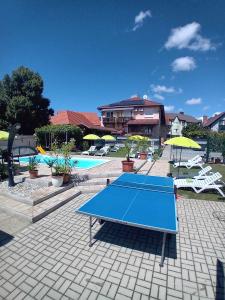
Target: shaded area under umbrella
<point x="182" y="142"/>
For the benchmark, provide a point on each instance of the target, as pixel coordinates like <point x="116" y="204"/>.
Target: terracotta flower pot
<point x="66" y="178"/>
<point x="128" y="166"/>
<point x="33" y="174"/>
<point x="143" y="155"/>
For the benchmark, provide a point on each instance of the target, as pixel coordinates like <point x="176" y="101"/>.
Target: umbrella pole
<point x="179" y="163"/>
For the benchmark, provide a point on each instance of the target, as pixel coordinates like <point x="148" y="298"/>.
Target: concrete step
<point x="37" y="212"/>
<point x="91" y="189"/>
<point x="103" y="175"/>
<point x="97" y="181"/>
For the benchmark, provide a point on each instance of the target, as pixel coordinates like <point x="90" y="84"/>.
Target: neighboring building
<point x="88" y="121"/>
<point x="177" y="121"/>
<point x="215" y="123"/>
<point x="135" y="116"/>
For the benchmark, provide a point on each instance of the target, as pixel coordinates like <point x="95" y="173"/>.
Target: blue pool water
<point x="82" y="163"/>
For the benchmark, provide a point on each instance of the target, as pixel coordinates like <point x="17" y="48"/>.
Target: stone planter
<point x="57" y="181"/>
<point x="128" y="166"/>
<point x="33" y="174"/>
<point x="143" y="155"/>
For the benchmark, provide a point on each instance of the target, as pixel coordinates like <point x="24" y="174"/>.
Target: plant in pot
<point x="143" y="146"/>
<point x="57" y="174"/>
<point x="68" y="164"/>
<point x="128" y="164"/>
<point x="32" y="167"/>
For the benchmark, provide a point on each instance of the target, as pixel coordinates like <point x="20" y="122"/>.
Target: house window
<point x="109" y="114"/>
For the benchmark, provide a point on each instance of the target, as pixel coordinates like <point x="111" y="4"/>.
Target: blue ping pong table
<point x="137" y="200"/>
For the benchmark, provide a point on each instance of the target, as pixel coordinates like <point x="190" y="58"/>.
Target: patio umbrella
<point x="108" y="138"/>
<point x="182" y="142"/>
<point x="138" y="138"/>
<point x="4" y="135"/>
<point x="91" y="137"/>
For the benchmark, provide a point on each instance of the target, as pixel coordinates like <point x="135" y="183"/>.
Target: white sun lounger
<point x="90" y="151"/>
<point x="197" y="162"/>
<point x="183" y="163"/>
<point x="202" y="174"/>
<point x="199" y="185"/>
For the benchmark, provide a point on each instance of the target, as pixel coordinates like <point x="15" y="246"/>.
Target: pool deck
<point x="51" y="259"/>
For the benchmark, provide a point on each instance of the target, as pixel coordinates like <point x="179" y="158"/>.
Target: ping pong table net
<point x="144" y="186"/>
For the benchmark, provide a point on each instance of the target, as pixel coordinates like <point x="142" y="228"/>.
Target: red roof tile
<point x="181" y="117"/>
<point x="87" y="119"/>
<point x="211" y="120"/>
<point x="135" y="101"/>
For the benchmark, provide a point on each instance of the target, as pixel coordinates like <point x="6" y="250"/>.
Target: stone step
<point x="40" y="195"/>
<point x="37" y="212"/>
<point x="91" y="189"/>
<point x="103" y="175"/>
<point x="97" y="181"/>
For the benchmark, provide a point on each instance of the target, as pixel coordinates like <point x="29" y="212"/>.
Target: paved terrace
<point x="51" y="259"/>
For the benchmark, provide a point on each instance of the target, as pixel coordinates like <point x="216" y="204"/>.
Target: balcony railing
<point x="114" y="120"/>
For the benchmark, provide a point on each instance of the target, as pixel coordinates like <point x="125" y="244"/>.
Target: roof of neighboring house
<point x="87" y="119"/>
<point x="181" y="117"/>
<point x="134" y="101"/>
<point x="213" y="119"/>
<point x="143" y="122"/>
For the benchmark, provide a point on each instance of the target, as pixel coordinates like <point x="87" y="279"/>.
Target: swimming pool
<point x="82" y="163"/>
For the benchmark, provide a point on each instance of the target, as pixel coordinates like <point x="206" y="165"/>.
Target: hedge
<point x="48" y="134"/>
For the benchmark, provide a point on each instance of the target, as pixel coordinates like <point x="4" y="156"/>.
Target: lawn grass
<point x="120" y="153"/>
<point x="209" y="195"/>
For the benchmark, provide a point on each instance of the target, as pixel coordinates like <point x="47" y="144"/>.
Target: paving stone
<point x="52" y="260"/>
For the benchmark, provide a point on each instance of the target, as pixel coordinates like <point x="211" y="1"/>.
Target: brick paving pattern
<point x="51" y="259"/>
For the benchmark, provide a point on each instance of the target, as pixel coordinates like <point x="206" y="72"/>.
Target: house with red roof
<point x="88" y="121"/>
<point x="135" y="115"/>
<point x="215" y="123"/>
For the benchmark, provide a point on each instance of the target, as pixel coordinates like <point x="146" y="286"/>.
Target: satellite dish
<point x="145" y="97"/>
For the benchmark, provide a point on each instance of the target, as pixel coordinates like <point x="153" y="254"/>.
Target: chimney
<point x="204" y="119"/>
<point x="181" y="112"/>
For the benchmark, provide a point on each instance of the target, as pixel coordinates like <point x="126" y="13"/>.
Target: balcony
<point x="118" y="120"/>
<point x="222" y="128"/>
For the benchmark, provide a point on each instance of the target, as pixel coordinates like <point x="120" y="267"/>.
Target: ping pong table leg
<point x="90" y="226"/>
<point x="163" y="249"/>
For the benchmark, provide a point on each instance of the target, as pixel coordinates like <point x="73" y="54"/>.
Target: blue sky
<point x="91" y="53"/>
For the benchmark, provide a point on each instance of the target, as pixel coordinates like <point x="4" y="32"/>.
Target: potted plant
<point x="143" y="146"/>
<point x="128" y="164"/>
<point x="32" y="167"/>
<point x="68" y="164"/>
<point x="57" y="174"/>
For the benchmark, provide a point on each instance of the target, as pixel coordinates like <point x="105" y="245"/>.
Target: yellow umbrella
<point x="138" y="138"/>
<point x="91" y="137"/>
<point x="109" y="138"/>
<point x="4" y="135"/>
<point x="182" y="142"/>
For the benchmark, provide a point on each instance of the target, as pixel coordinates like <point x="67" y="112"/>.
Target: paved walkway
<point x="51" y="259"/>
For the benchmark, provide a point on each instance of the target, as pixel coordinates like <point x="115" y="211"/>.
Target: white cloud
<point x="206" y="107"/>
<point x="185" y="63"/>
<point x="188" y="37"/>
<point x="158" y="89"/>
<point x="194" y="101"/>
<point x="139" y="19"/>
<point x="160" y="97"/>
<point x="169" y="108"/>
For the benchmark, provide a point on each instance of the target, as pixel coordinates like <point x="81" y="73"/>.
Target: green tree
<point x="195" y="131"/>
<point x="21" y="101"/>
